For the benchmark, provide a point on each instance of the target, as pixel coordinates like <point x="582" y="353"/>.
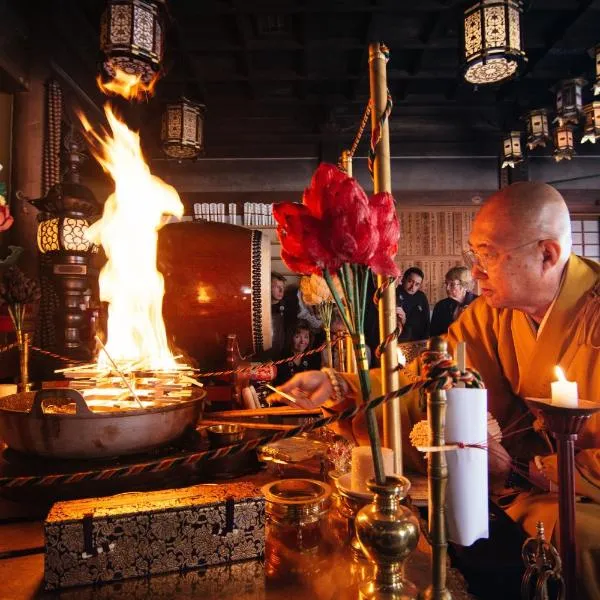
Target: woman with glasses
<point x="446" y="311"/>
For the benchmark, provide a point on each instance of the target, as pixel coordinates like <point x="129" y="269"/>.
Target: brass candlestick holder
<point x="565" y="423"/>
<point x="387" y="532"/>
<point x="437" y="475"/>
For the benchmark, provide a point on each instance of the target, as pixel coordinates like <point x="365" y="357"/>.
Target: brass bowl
<point x="224" y="435"/>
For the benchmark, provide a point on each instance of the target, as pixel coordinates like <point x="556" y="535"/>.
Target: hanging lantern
<point x="595" y="53"/>
<point x="568" y="101"/>
<point x="563" y="143"/>
<point x="493" y="41"/>
<point x="538" y="131"/>
<point x="512" y="151"/>
<point x="182" y="131"/>
<point x="591" y="129"/>
<point x="131" y="38"/>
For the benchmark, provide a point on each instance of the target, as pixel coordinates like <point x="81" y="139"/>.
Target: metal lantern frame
<point x="493" y="41"/>
<point x="65" y="234"/>
<point x="569" y="101"/>
<point x="591" y="128"/>
<point x="538" y="128"/>
<point x="564" y="142"/>
<point x="512" y="149"/>
<point x="132" y="38"/>
<point x="182" y="131"/>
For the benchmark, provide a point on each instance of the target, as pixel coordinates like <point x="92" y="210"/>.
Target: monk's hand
<point x="310" y="389"/>
<point x="499" y="463"/>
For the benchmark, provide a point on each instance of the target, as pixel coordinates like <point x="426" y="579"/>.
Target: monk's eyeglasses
<point x="484" y="259"/>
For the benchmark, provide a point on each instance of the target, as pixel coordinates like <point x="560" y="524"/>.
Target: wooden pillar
<point x="28" y="136"/>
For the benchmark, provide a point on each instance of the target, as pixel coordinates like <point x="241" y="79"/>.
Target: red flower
<point x="385" y="219"/>
<point x="337" y="223"/>
<point x="6" y="219"/>
<point x="318" y="197"/>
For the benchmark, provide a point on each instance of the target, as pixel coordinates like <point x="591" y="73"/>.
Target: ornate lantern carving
<point x="538" y="131"/>
<point x="591" y="129"/>
<point x="512" y="151"/>
<point x="564" y="146"/>
<point x="63" y="234"/>
<point x="131" y="38"/>
<point x="568" y="101"/>
<point x="493" y="41"/>
<point x="182" y="133"/>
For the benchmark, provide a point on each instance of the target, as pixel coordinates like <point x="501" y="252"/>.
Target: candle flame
<point x="560" y="376"/>
<point x="128" y="232"/>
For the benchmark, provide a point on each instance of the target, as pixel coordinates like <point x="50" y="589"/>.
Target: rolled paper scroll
<point x="467" y="491"/>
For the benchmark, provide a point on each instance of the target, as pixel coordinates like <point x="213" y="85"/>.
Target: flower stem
<point x="338" y="300"/>
<point x="372" y="427"/>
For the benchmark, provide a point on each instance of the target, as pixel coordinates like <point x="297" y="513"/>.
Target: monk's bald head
<point x="525" y="211"/>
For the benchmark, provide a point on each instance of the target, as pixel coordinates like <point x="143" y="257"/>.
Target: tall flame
<point x="128" y="85"/>
<point x="128" y="232"/>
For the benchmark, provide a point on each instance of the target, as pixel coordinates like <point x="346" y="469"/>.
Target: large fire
<point x="128" y="232"/>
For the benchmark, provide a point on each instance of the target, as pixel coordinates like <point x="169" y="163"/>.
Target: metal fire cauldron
<point x="26" y="427"/>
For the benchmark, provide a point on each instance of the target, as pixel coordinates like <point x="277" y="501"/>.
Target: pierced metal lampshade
<point x="591" y="129"/>
<point x="182" y="132"/>
<point x="131" y="38"/>
<point x="63" y="234"/>
<point x="493" y="41"/>
<point x="564" y="146"/>
<point x="512" y="151"/>
<point x="538" y="131"/>
<point x="568" y="101"/>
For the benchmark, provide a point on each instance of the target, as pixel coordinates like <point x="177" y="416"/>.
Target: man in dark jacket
<point x="412" y="307"/>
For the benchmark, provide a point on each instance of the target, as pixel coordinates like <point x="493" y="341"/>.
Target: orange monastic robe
<point x="515" y="363"/>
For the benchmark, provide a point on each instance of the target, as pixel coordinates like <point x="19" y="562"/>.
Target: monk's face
<point x="508" y="262"/>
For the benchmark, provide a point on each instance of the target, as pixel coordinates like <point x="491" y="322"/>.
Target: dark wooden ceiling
<point x="289" y="77"/>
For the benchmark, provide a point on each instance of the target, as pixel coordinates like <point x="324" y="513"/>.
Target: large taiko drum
<point x="217" y="282"/>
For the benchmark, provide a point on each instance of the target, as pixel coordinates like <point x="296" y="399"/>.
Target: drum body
<point x="217" y="282"/>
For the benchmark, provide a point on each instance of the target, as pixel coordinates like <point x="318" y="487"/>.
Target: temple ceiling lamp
<point x="492" y="41"/>
<point x="568" y="101"/>
<point x="131" y="38"/>
<point x="512" y="151"/>
<point x="182" y="132"/>
<point x="538" y="130"/>
<point x="591" y="128"/>
<point x="564" y="147"/>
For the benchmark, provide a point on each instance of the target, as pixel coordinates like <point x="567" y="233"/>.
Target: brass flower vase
<point x="388" y="532"/>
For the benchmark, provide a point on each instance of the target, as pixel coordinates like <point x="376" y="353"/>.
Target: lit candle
<point x="564" y="393"/>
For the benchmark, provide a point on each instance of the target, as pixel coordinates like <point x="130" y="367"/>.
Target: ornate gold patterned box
<point x="137" y="534"/>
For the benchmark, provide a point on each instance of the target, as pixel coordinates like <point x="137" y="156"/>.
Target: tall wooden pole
<point x="350" y="362"/>
<point x="392" y="431"/>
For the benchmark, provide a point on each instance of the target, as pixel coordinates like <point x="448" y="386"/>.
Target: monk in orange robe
<point x="539" y="307"/>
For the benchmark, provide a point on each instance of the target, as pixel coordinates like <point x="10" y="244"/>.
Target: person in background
<point x="300" y="341"/>
<point x="446" y="311"/>
<point x="412" y="307"/>
<point x="278" y="316"/>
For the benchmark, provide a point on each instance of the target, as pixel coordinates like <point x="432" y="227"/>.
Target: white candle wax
<point x="363" y="468"/>
<point x="564" y="393"/>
